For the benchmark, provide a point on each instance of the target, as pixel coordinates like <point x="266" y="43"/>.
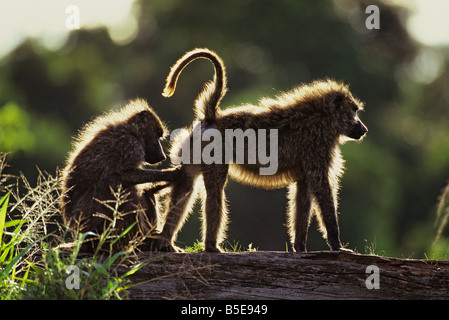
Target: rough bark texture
<point x="283" y="275"/>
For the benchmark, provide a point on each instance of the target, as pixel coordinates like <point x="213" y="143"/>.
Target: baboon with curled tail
<point x="115" y="151"/>
<point x="310" y="120"/>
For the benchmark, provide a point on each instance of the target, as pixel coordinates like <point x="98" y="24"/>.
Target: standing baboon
<point x="115" y="151"/>
<point x="310" y="121"/>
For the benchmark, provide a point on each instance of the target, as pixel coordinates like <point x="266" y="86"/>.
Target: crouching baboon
<point x="113" y="153"/>
<point x="309" y="122"/>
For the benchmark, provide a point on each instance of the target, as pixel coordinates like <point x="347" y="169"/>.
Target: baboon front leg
<point x="214" y="212"/>
<point x="325" y="199"/>
<point x="299" y="214"/>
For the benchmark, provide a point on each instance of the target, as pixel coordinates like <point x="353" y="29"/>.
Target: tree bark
<point x="284" y="275"/>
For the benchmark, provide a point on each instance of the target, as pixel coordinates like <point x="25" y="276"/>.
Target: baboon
<point x="310" y="120"/>
<point x="116" y="151"/>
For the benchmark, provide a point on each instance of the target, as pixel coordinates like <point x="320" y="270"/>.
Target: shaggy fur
<point x="111" y="152"/>
<point x="311" y="121"/>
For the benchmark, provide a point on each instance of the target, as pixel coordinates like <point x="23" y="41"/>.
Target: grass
<point x="229" y="247"/>
<point x="196" y="247"/>
<point x="34" y="263"/>
<point x="371" y="249"/>
<point x="439" y="250"/>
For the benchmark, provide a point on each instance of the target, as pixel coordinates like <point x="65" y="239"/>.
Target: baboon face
<point x="154" y="152"/>
<point x="152" y="132"/>
<point x="348" y="107"/>
<point x="357" y="130"/>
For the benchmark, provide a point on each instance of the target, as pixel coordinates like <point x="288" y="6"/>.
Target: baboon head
<point x="151" y="131"/>
<point x="346" y="108"/>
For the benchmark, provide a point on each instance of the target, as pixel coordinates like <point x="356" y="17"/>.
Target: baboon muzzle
<point x="160" y="157"/>
<point x="358" y="130"/>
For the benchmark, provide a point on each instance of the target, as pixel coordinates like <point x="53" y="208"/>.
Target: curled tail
<point x="206" y="105"/>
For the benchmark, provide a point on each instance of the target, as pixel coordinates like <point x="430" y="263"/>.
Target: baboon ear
<point x="334" y="100"/>
<point x="338" y="100"/>
<point x="141" y="117"/>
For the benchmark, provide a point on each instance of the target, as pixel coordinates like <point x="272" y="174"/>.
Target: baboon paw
<point x="341" y="249"/>
<point x="214" y="249"/>
<point x="164" y="245"/>
<point x="299" y="249"/>
<point x="178" y="249"/>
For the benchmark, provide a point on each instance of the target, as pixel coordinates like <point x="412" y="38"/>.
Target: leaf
<point x="13" y="262"/>
<point x="111" y="260"/>
<point x="81" y="238"/>
<point x="123" y="234"/>
<point x="36" y="268"/>
<point x="25" y="277"/>
<point x="101" y="269"/>
<point x="15" y="236"/>
<point x="134" y="270"/>
<point x="5" y="251"/>
<point x="4" y="205"/>
<point x="15" y="222"/>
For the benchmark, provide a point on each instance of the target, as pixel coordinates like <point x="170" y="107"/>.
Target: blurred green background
<point x="393" y="178"/>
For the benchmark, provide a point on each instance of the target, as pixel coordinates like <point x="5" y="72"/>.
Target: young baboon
<point x="115" y="151"/>
<point x="310" y="120"/>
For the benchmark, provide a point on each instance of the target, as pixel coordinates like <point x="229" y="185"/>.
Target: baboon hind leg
<point x="299" y="213"/>
<point x="214" y="211"/>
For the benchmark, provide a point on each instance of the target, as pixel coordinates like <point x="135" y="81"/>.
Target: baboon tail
<point x="206" y="105"/>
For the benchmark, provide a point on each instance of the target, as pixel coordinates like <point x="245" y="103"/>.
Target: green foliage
<point x="439" y="250"/>
<point x="98" y="276"/>
<point x="229" y="247"/>
<point x="372" y="249"/>
<point x="440" y="246"/>
<point x="442" y="212"/>
<point x="34" y="266"/>
<point x="234" y="247"/>
<point x="22" y="132"/>
<point x="197" y="247"/>
<point x="11" y="254"/>
<point x="15" y="131"/>
<point x="3" y="207"/>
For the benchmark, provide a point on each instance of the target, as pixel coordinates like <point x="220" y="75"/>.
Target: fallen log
<point x="284" y="275"/>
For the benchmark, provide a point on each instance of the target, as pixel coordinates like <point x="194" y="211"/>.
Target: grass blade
<point x="15" y="222"/>
<point x="4" y="205"/>
<point x="13" y="262"/>
<point x="111" y="260"/>
<point x="134" y="269"/>
<point x="123" y="233"/>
